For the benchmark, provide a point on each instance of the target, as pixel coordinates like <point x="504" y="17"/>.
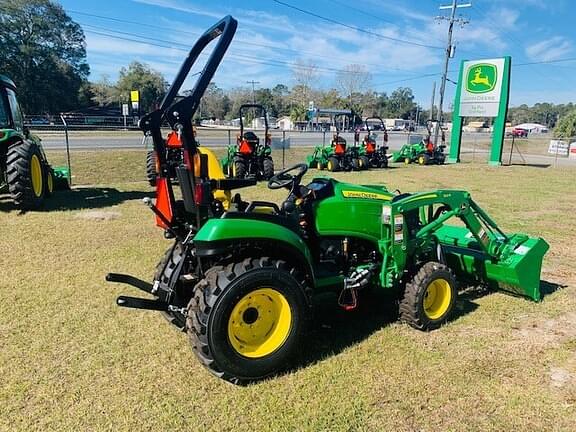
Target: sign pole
<point x="456" y="134"/>
<point x="500" y="121"/>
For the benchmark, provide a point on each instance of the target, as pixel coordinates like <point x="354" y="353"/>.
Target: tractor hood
<point x="361" y="192"/>
<point x="352" y="210"/>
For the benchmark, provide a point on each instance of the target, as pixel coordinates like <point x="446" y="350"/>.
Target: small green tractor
<point x="337" y="157"/>
<point x="423" y="153"/>
<point x="240" y="276"/>
<point x="24" y="169"/>
<point x="249" y="157"/>
<point x="372" y="155"/>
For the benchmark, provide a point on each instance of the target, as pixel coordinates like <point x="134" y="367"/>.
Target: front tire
<point x="49" y="182"/>
<point x="246" y="320"/>
<point x="423" y="159"/>
<point x="332" y="164"/>
<point x="429" y="299"/>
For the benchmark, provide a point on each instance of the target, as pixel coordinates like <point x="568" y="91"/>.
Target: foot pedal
<point x="140" y="303"/>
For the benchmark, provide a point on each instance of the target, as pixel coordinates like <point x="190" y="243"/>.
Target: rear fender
<point x="237" y="236"/>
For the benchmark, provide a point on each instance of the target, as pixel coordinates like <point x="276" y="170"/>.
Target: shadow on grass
<point x="547" y="288"/>
<point x="80" y="199"/>
<point x="334" y="329"/>
<point x="532" y="165"/>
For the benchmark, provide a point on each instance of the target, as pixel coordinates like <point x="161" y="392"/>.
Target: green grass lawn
<point x="70" y="359"/>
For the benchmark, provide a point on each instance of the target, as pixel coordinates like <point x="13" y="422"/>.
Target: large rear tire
<point x="268" y="168"/>
<point x="429" y="299"/>
<point x="151" y="173"/>
<point x="25" y="175"/>
<point x="247" y="319"/>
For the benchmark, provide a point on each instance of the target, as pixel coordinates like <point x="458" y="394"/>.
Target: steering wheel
<point x="285" y="180"/>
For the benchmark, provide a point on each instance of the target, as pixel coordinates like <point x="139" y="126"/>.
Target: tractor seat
<point x="251" y="137"/>
<point x="338" y="140"/>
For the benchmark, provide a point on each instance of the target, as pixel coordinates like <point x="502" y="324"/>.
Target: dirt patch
<point x="550" y="331"/>
<point x="560" y="377"/>
<point x="99" y="215"/>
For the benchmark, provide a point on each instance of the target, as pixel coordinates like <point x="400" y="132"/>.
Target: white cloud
<point x="549" y="49"/>
<point x="179" y="6"/>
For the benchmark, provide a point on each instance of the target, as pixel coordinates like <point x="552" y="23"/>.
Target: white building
<point x="533" y="128"/>
<point x="285" y="123"/>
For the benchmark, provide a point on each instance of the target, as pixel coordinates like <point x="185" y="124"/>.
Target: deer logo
<point x="481" y="78"/>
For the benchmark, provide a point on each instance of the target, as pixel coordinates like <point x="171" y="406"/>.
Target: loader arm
<point x="480" y="250"/>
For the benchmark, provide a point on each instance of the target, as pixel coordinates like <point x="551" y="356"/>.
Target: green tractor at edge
<point x="24" y="169"/>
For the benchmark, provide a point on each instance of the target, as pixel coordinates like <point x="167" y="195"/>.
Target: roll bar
<point x="179" y="115"/>
<point x="374" y="118"/>
<point x="257" y="106"/>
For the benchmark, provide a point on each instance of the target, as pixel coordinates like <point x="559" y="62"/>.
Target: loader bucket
<point x="518" y="271"/>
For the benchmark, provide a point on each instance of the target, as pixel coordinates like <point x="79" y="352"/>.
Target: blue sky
<point x="271" y="37"/>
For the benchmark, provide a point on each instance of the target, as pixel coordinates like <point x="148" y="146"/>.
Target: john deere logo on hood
<point x="481" y="78"/>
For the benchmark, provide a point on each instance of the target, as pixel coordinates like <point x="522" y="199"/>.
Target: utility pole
<point x="253" y="94"/>
<point x="449" y="54"/>
<point x="431" y="117"/>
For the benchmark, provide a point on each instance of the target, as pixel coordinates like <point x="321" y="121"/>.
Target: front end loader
<point x="24" y="169"/>
<point x="240" y="277"/>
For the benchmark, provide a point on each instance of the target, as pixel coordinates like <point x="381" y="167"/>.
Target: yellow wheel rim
<point x="360" y="163"/>
<point x="329" y="166"/>
<point x="437" y="298"/>
<point x="50" y="182"/>
<point x="406" y="161"/>
<point x="36" y="175"/>
<point x="259" y="323"/>
<point x="421" y="160"/>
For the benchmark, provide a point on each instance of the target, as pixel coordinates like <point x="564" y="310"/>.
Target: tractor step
<point x="140" y="303"/>
<point x="130" y="280"/>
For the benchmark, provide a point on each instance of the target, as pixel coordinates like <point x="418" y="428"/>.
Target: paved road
<point x="217" y="139"/>
<point x="133" y="140"/>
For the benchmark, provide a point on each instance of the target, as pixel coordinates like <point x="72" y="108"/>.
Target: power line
<point x="237" y="41"/>
<point x="369" y="14"/>
<point x="358" y="29"/>
<point x="253" y="91"/>
<point x="171" y="45"/>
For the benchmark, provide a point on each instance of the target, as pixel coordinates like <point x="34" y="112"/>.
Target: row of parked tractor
<point x="251" y="156"/>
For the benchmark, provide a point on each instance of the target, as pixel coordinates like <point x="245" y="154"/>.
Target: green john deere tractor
<point x="423" y="152"/>
<point x="240" y="276"/>
<point x="24" y="170"/>
<point x="339" y="156"/>
<point x="250" y="157"/>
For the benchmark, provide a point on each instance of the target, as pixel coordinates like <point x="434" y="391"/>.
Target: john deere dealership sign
<point x="482" y="91"/>
<point x="481" y="88"/>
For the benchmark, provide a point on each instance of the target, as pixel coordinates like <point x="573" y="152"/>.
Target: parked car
<point x="520" y="133"/>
